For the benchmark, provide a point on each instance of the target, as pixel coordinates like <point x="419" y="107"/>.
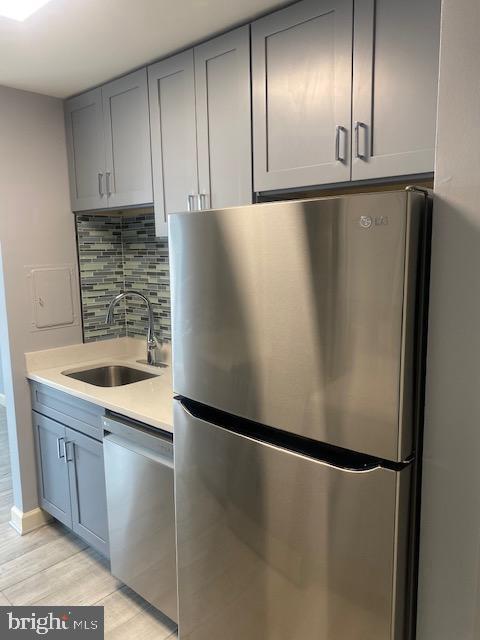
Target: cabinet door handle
<point x="361" y="153"/>
<point x="59" y="448"/>
<point x="191" y="202"/>
<point x="64" y="446"/>
<point x="100" y="185"/>
<point x="203" y="201"/>
<point x="109" y="185"/>
<point x="69" y="451"/>
<point x="340" y="132"/>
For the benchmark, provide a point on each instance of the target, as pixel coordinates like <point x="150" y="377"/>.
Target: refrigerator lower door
<point x="273" y="545"/>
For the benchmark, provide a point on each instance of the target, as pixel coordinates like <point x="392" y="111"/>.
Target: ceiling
<point x="71" y="45"/>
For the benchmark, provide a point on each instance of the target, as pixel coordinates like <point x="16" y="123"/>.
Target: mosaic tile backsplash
<point x="120" y="253"/>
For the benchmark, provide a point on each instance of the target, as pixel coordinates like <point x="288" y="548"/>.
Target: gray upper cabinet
<point x="395" y="77"/>
<point x="338" y="93"/>
<point x="200" y="118"/>
<point x="108" y="145"/>
<point x="52" y="468"/>
<point x="86" y="150"/>
<point x="222" y="87"/>
<point x="302" y="80"/>
<point x="87" y="489"/>
<point x="128" y="176"/>
<point x="173" y="136"/>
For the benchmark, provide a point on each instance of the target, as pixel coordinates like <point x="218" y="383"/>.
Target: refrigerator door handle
<point x="184" y="408"/>
<point x="320" y="453"/>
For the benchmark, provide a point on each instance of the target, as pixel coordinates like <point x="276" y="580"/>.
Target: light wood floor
<point x="52" y="566"/>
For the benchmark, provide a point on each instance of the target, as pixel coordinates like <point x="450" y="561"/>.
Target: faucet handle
<point x="155" y="351"/>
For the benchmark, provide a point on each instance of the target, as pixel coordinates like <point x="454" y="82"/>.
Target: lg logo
<point x="367" y="222"/>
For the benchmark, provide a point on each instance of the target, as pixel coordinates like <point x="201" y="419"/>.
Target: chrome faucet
<point x="152" y="341"/>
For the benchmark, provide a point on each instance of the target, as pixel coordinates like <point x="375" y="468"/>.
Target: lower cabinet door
<point x="87" y="489"/>
<point x="52" y="468"/>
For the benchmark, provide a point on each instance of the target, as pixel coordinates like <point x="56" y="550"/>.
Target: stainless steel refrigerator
<point x="298" y="341"/>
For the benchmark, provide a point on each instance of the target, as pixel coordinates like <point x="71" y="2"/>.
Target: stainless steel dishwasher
<point x="141" y="512"/>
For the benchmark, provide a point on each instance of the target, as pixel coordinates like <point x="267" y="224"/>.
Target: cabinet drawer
<point x="75" y="413"/>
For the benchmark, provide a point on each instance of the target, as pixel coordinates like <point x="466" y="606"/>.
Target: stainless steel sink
<point x="110" y="376"/>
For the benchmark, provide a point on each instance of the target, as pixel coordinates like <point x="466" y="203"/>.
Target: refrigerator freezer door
<point x="299" y="315"/>
<point x="272" y="545"/>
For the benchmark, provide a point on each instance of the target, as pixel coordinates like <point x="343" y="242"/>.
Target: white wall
<point x="36" y="227"/>
<point x="1" y="373"/>
<point x="449" y="598"/>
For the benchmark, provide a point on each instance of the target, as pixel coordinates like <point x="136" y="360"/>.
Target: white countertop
<point x="149" y="401"/>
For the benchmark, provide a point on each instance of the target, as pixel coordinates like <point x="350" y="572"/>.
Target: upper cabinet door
<point x="223" y="100"/>
<point x="173" y="133"/>
<point x="395" y="79"/>
<point x="86" y="151"/>
<point x="128" y="178"/>
<point x="302" y="75"/>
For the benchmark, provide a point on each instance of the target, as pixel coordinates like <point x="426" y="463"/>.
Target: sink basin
<point x="110" y="376"/>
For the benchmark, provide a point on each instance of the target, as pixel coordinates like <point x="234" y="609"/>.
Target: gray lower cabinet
<point x="395" y="76"/>
<point x="302" y="80"/>
<point x="71" y="480"/>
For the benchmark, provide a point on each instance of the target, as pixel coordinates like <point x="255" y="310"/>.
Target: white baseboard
<point x="25" y="522"/>
<point x="3" y="400"/>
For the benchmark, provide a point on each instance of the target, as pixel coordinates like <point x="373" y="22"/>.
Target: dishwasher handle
<point x="163" y="458"/>
<point x="149" y="442"/>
